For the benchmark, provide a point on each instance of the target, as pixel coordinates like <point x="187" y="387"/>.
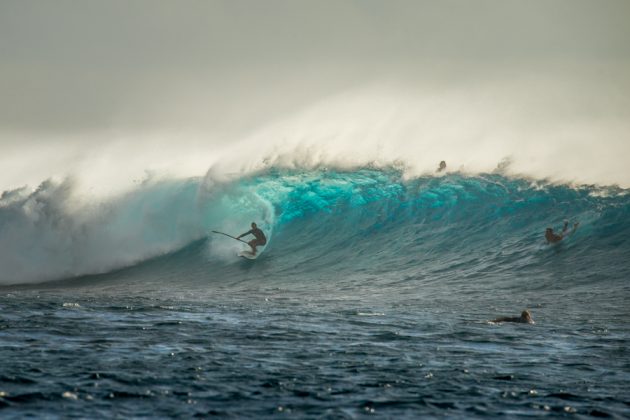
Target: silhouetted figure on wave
<point x="259" y="240"/>
<point x="553" y="238"/>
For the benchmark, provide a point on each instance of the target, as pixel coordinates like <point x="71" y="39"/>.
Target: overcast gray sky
<point x="69" y="65"/>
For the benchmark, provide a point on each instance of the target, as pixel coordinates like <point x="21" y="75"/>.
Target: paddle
<point x="230" y="236"/>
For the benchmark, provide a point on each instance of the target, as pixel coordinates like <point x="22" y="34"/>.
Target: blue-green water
<point x="372" y="298"/>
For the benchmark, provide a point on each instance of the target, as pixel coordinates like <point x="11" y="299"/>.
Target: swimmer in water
<point x="259" y="239"/>
<point x="525" y="318"/>
<point x="553" y="238"/>
<point x="441" y="167"/>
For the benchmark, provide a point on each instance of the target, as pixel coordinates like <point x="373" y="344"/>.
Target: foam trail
<point x="51" y="234"/>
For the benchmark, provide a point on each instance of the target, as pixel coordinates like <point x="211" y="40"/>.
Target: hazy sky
<point x="69" y="65"/>
<point x="79" y="66"/>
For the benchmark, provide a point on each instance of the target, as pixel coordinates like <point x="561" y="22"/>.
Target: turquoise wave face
<point x="324" y="223"/>
<point x="376" y="223"/>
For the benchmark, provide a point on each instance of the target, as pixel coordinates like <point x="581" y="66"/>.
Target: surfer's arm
<point x="244" y="234"/>
<point x="567" y="232"/>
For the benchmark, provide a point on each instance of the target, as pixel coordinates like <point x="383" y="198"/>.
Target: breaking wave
<point x="322" y="224"/>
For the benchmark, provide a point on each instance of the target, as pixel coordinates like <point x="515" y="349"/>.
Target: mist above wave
<point x="561" y="128"/>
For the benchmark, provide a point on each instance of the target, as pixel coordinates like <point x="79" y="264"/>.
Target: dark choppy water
<point x="384" y="314"/>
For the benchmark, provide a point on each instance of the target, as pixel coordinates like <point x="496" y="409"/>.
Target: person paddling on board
<point x="525" y="318"/>
<point x="259" y="240"/>
<point x="553" y="238"/>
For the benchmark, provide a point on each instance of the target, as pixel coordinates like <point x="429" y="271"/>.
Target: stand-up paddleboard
<point x="248" y="254"/>
<point x="244" y="253"/>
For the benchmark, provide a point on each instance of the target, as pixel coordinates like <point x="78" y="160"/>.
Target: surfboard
<point x="248" y="254"/>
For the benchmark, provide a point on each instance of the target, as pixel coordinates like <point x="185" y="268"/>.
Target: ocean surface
<point x="372" y="299"/>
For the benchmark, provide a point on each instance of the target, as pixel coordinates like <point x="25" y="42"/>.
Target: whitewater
<point x="372" y="297"/>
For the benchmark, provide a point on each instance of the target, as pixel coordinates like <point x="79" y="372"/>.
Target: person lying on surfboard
<point x="525" y="318"/>
<point x="553" y="238"/>
<point x="259" y="240"/>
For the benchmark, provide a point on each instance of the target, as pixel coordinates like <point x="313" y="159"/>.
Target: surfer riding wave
<point x="553" y="238"/>
<point x="259" y="240"/>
